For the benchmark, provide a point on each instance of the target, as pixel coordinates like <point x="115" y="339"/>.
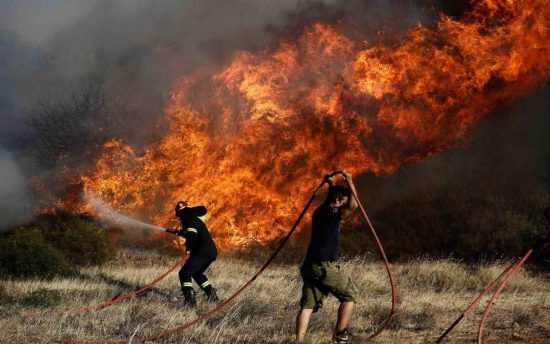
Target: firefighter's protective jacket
<point x="198" y="240"/>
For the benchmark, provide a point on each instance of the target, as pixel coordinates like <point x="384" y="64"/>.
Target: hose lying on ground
<point x="505" y="281"/>
<point x="541" y="246"/>
<point x="474" y="303"/>
<point x="508" y="273"/>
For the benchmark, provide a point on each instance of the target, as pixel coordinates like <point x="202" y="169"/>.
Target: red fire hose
<point x="511" y="274"/>
<point x="120" y="298"/>
<point x="508" y="274"/>
<point x="542" y="246"/>
<point x="171" y="331"/>
<point x="475" y="302"/>
<point x="386" y="264"/>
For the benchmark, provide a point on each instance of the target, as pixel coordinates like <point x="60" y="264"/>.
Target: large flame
<point x="251" y="140"/>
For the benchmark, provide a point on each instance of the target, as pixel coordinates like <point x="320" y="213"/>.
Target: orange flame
<point x="251" y="140"/>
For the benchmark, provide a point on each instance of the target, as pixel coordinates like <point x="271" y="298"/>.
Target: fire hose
<point x="506" y="276"/>
<point x="111" y="302"/>
<point x="168" y="332"/>
<point x="474" y="303"/>
<point x="386" y="264"/>
<point x="505" y="281"/>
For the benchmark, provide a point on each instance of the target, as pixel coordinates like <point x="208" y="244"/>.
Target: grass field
<point x="431" y="295"/>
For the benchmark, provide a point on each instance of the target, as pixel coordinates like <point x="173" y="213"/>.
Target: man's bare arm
<point x="352" y="205"/>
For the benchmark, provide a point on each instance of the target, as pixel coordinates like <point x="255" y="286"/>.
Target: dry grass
<point x="431" y="296"/>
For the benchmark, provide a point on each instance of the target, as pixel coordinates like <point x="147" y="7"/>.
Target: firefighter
<point x="321" y="276"/>
<point x="201" y="250"/>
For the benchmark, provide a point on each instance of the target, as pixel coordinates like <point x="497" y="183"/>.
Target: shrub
<point x="25" y="253"/>
<point x="78" y="237"/>
<point x="54" y="245"/>
<point x="483" y="217"/>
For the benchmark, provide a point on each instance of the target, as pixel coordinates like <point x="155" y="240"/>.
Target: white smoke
<point x="110" y="215"/>
<point x="14" y="205"/>
<point x="36" y="21"/>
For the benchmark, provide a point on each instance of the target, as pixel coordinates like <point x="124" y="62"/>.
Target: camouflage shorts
<point x="321" y="279"/>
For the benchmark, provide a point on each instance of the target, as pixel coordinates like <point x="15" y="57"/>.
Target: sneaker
<point x="343" y="336"/>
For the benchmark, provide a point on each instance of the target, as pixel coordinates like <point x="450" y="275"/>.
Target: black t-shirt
<point x="197" y="238"/>
<point x="325" y="230"/>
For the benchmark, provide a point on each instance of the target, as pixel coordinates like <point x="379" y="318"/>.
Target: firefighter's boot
<point x="189" y="296"/>
<point x="211" y="294"/>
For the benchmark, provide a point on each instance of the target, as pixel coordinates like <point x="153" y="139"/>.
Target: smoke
<point x="14" y="204"/>
<point x="112" y="216"/>
<point x="512" y="144"/>
<point x="36" y="21"/>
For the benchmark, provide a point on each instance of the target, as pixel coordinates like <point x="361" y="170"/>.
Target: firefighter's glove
<point x="172" y="231"/>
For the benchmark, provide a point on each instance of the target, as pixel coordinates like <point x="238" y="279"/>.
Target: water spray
<point x="111" y="215"/>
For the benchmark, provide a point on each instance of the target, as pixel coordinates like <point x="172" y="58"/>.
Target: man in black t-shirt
<point x="320" y="274"/>
<point x="201" y="249"/>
